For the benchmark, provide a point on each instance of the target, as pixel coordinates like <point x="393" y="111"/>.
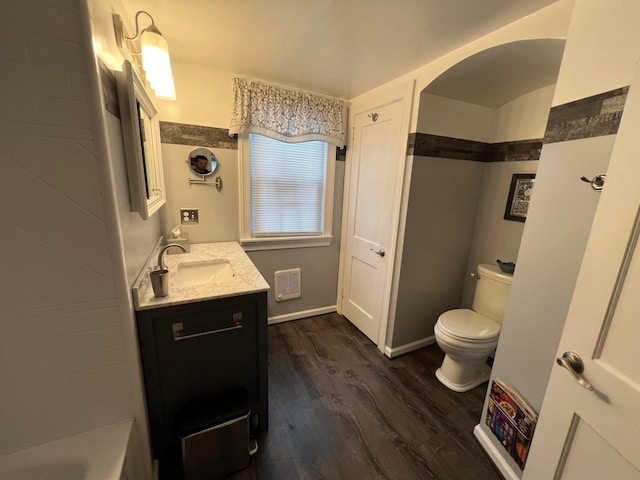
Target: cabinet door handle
<point x="178" y="331"/>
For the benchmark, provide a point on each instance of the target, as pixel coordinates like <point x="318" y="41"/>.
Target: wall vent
<point x="287" y="284"/>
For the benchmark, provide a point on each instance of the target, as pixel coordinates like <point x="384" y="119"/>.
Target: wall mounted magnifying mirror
<point x="202" y="162"/>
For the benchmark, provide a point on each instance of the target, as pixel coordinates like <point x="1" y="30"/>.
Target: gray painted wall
<point x="218" y="211"/>
<point x="443" y="200"/>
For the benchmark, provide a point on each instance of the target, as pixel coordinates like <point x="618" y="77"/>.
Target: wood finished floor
<point x="339" y="409"/>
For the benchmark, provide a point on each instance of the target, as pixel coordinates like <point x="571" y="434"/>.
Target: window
<point x="287" y="193"/>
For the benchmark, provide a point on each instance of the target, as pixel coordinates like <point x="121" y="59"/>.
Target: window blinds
<point x="287" y="187"/>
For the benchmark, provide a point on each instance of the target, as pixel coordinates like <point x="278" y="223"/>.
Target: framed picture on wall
<point x="519" y="196"/>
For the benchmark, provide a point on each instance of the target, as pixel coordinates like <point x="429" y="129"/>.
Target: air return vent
<point x="287" y="284"/>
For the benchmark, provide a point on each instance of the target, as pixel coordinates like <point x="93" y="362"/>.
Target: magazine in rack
<point x="511" y="420"/>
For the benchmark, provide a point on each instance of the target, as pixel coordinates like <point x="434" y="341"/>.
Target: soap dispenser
<point x="180" y="238"/>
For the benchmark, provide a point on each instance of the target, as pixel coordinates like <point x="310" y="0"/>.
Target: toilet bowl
<point x="467" y="337"/>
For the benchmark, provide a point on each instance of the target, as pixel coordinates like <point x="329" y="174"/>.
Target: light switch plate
<point x="188" y="216"/>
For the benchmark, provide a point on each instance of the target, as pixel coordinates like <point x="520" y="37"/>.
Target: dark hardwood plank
<point x="339" y="409"/>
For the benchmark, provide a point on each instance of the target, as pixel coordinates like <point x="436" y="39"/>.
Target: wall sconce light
<point x="155" y="55"/>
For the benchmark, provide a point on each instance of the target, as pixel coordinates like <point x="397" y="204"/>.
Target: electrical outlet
<point x="188" y="215"/>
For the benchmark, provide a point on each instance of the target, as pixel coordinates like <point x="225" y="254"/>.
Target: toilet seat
<point x="468" y="326"/>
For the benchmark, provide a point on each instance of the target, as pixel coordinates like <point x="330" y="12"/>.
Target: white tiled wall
<point x="63" y="364"/>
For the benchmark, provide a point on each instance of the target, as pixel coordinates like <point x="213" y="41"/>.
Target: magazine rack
<point x="511" y="420"/>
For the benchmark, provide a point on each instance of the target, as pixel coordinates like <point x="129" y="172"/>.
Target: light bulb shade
<point x="156" y="64"/>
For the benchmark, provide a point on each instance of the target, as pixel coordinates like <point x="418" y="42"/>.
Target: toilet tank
<point x="492" y="292"/>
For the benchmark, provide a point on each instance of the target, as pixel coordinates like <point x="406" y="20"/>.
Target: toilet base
<point x="467" y="384"/>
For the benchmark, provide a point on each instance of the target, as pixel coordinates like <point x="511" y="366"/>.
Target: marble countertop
<point x="247" y="279"/>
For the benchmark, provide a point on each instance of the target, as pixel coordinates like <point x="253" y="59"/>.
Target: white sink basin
<point x="190" y="274"/>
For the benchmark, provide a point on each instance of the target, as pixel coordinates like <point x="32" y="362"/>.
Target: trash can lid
<point x="206" y="412"/>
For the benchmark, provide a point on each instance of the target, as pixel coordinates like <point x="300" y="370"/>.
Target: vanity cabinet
<point x="197" y="350"/>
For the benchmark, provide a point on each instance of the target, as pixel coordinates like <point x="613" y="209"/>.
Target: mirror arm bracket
<point x="217" y="183"/>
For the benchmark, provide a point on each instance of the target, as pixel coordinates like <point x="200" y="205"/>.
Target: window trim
<point x="250" y="243"/>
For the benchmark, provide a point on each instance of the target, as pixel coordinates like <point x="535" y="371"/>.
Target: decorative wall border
<point x="427" y="145"/>
<point x="197" y="135"/>
<point x="202" y="136"/>
<point x="109" y="89"/>
<point x="588" y="117"/>
<point x="515" y="151"/>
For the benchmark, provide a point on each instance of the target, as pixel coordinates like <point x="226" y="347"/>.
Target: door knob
<point x="380" y="251"/>
<point x="597" y="182"/>
<point x="572" y="362"/>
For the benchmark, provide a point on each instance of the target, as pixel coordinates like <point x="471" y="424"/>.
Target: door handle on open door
<point x="572" y="362"/>
<point x="380" y="251"/>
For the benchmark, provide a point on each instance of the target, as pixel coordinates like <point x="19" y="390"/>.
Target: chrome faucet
<point x="161" y="263"/>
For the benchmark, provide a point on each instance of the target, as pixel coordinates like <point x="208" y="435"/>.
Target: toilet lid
<point x="465" y="323"/>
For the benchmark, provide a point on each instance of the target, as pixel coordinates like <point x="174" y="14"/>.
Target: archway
<point x="479" y="121"/>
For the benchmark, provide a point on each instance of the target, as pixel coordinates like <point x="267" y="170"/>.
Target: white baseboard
<point x="494" y="454"/>
<point x="409" y="347"/>
<point x="298" y="315"/>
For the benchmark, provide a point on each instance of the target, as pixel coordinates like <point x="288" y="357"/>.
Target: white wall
<point x="525" y="117"/>
<point x="63" y="365"/>
<point x="203" y="96"/>
<point x="590" y="65"/>
<point x="452" y="118"/>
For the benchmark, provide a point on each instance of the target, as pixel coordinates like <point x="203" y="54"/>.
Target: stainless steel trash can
<point x="214" y="433"/>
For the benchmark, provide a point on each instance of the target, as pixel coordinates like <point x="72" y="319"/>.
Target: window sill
<point x="281" y="243"/>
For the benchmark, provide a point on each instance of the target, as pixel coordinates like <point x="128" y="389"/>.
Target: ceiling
<point x="336" y="47"/>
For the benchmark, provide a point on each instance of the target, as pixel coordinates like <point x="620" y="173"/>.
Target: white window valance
<point x="291" y="116"/>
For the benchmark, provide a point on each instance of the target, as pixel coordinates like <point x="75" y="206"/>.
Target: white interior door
<point x="595" y="434"/>
<point x="377" y="147"/>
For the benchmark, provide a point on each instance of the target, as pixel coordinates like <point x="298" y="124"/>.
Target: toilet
<point x="467" y="337"/>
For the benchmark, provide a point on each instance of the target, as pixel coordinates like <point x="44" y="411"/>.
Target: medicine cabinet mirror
<point x="141" y="136"/>
<point x="202" y="161"/>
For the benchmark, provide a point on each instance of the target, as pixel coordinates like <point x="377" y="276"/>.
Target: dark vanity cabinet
<point x="194" y="351"/>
